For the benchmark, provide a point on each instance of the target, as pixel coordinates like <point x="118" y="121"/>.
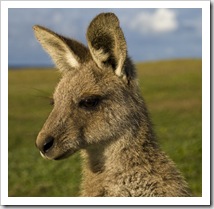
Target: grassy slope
<point x="172" y="90"/>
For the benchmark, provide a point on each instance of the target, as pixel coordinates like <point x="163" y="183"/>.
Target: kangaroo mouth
<point x="65" y="155"/>
<point x="61" y="156"/>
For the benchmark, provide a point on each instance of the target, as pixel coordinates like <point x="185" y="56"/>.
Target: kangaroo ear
<point x="66" y="53"/>
<point x="106" y="42"/>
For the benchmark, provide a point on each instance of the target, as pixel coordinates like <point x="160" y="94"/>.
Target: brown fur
<point x="98" y="109"/>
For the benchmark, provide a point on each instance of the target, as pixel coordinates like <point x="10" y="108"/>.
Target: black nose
<point x="49" y="141"/>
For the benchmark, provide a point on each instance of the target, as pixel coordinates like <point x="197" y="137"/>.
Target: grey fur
<point x="98" y="109"/>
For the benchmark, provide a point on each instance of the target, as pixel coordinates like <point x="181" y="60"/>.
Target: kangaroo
<point x="98" y="109"/>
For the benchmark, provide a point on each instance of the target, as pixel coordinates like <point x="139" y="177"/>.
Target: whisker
<point x="44" y="95"/>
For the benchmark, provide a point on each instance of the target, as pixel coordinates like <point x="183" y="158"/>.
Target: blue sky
<point x="151" y="34"/>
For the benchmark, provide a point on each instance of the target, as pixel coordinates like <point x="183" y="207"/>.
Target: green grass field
<point x="172" y="91"/>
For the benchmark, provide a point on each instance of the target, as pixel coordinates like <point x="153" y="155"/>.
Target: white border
<point x="105" y="4"/>
<point x="4" y="104"/>
<point x="206" y="114"/>
<point x="204" y="200"/>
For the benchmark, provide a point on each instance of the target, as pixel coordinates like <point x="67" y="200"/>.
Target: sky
<point x="151" y="34"/>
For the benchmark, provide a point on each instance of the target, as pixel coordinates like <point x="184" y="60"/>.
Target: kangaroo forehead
<point x="83" y="82"/>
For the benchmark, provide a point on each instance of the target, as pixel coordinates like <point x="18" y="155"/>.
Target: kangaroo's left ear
<point x="106" y="43"/>
<point x="67" y="54"/>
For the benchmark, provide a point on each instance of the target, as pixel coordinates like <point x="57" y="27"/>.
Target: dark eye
<point x="89" y="103"/>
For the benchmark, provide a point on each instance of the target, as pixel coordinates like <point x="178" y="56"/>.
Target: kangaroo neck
<point x="105" y="155"/>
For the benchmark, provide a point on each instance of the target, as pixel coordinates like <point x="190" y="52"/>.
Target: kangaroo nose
<point x="45" y="145"/>
<point x="48" y="143"/>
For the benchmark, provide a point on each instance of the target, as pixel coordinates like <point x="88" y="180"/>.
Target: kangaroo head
<point x="94" y="99"/>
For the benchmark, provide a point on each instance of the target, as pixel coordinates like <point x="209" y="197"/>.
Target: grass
<point x="172" y="90"/>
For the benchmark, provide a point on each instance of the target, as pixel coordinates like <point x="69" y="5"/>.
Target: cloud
<point x="150" y="33"/>
<point x="160" y="21"/>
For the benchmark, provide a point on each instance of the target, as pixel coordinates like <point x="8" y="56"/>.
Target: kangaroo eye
<point x="89" y="103"/>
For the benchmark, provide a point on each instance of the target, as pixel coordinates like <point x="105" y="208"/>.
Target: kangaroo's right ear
<point x="66" y="53"/>
<point x="107" y="44"/>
